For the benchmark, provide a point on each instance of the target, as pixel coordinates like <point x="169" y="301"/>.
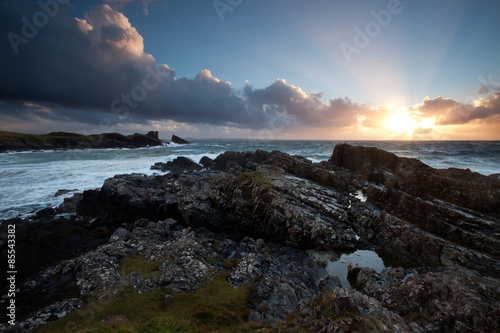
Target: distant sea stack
<point x="179" y="141"/>
<point x="10" y="141"/>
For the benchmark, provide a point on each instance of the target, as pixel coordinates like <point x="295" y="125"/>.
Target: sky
<point x="319" y="70"/>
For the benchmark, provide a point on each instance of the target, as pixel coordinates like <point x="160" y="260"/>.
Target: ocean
<point x="29" y="180"/>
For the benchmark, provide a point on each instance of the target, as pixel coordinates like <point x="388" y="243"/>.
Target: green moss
<point x="263" y="308"/>
<point x="138" y="264"/>
<point x="230" y="263"/>
<point x="215" y="307"/>
<point x="160" y="325"/>
<point x="216" y="304"/>
<point x="257" y="177"/>
<point x="371" y="324"/>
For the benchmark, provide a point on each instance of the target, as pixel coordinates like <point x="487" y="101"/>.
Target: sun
<point x="401" y="122"/>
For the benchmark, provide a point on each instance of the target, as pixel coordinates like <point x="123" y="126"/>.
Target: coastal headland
<point x="225" y="245"/>
<point x="10" y="141"/>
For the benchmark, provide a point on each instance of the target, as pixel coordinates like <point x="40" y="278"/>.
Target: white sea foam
<point x="29" y="180"/>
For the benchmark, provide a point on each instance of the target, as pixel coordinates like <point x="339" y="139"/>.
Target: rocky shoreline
<point x="16" y="142"/>
<point x="221" y="246"/>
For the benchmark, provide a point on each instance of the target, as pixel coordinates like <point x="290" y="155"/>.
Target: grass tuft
<point x="215" y="307"/>
<point x="257" y="177"/>
<point x="138" y="264"/>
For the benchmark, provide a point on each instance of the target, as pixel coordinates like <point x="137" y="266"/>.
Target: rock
<point x="207" y="162"/>
<point x="123" y="199"/>
<point x="459" y="187"/>
<point x="180" y="164"/>
<point x="63" y="192"/>
<point x="45" y="212"/>
<point x="69" y="204"/>
<point x="179" y="141"/>
<point x="248" y="216"/>
<point x="10" y="141"/>
<point x="41" y="317"/>
<point x="153" y="135"/>
<point x="345" y="310"/>
<point x="271" y="205"/>
<point x="435" y="296"/>
<point x="144" y="140"/>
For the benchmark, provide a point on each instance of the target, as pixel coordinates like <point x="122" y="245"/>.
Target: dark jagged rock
<point x="153" y="135"/>
<point x="179" y="141"/>
<point x="63" y="192"/>
<point x="39" y="246"/>
<point x="46" y="212"/>
<point x="207" y="162"/>
<point x="10" y="141"/>
<point x="179" y="164"/>
<point x="435" y="296"/>
<point x="460" y="187"/>
<point x="123" y="198"/>
<point x="249" y="215"/>
<point x="346" y="310"/>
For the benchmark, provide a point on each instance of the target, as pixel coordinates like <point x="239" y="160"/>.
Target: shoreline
<point x="248" y="218"/>
<point x="87" y="156"/>
<point x="18" y="142"/>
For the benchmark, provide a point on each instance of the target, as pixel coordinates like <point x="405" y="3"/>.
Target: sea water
<point x="29" y="180"/>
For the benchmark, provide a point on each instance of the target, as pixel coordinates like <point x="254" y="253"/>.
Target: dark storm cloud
<point x="71" y="69"/>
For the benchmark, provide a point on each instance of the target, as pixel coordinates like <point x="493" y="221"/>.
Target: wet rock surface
<point x="251" y="215"/>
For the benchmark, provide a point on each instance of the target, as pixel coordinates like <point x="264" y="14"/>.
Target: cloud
<point x="94" y="68"/>
<point x="421" y="131"/>
<point x="377" y="117"/>
<point x="302" y="107"/>
<point x="450" y="112"/>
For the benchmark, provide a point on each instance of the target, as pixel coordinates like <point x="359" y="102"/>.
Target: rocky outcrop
<point x="435" y="297"/>
<point x="462" y="188"/>
<point x="346" y="310"/>
<point x="246" y="219"/>
<point x="179" y="141"/>
<point x="10" y="141"/>
<point x="207" y="162"/>
<point x="179" y="164"/>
